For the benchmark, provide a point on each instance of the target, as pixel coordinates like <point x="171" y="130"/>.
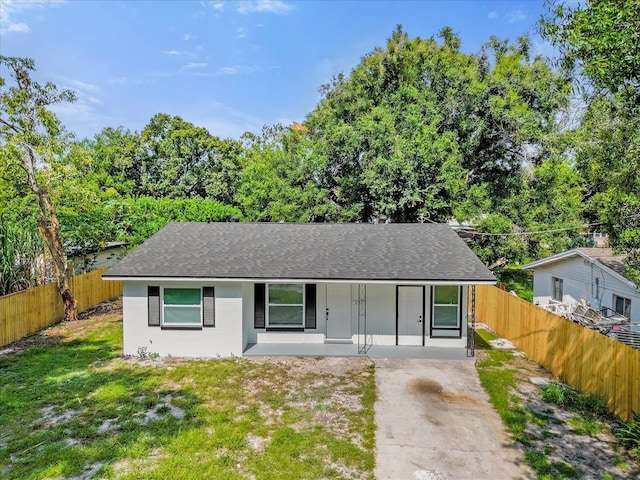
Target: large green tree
<point x="599" y="43"/>
<point x="276" y="181"/>
<point x="419" y="125"/>
<point x="179" y="159"/>
<point x="32" y="138"/>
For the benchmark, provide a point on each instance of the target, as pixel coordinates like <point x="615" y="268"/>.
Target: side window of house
<point x="556" y="289"/>
<point x="446" y="306"/>
<point x="182" y="307"/>
<point x="622" y="305"/>
<point x="285" y="305"/>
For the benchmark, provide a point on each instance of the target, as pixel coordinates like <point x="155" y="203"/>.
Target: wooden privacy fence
<point x="27" y="312"/>
<point x="587" y="360"/>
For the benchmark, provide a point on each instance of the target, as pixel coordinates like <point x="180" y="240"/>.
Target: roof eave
<point x="576" y="252"/>
<point x="389" y="281"/>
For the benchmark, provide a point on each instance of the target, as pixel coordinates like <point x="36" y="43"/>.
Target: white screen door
<point x="339" y="310"/>
<point x="410" y="315"/>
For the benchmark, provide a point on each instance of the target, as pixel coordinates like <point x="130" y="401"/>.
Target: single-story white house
<point x="593" y="275"/>
<point x="213" y="289"/>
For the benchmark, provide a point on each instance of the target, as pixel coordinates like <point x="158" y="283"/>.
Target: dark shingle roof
<point x="320" y="251"/>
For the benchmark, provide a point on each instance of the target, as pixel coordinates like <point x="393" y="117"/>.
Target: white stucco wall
<point x="225" y="339"/>
<point x="234" y="330"/>
<point x="579" y="282"/>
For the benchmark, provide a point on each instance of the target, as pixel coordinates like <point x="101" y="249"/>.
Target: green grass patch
<point x="628" y="434"/>
<point x="499" y="379"/>
<point x="482" y="338"/>
<point x="549" y="470"/>
<point x="568" y="397"/>
<point x="73" y="407"/>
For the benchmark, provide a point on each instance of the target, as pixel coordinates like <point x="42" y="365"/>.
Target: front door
<point x="410" y="315"/>
<point x="339" y="311"/>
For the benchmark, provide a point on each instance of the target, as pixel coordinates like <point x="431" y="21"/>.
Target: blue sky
<point x="229" y="66"/>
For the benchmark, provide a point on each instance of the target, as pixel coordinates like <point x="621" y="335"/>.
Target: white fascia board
<point x="553" y="258"/>
<point x="297" y="280"/>
<point x="576" y="252"/>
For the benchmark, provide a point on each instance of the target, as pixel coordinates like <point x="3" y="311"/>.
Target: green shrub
<point x="569" y="397"/>
<point x="629" y="434"/>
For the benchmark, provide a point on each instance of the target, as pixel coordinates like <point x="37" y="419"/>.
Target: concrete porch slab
<point x="351" y="350"/>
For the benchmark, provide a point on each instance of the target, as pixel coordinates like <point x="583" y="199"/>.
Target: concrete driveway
<point x="434" y="422"/>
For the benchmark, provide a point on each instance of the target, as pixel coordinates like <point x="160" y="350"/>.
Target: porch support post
<point x="471" y="336"/>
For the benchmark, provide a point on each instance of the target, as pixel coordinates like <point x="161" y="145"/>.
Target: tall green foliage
<point x="277" y="178"/>
<point x="21" y="257"/>
<point x="599" y="43"/>
<point x="419" y="124"/>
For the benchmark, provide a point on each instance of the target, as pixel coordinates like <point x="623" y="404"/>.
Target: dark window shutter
<point x="153" y="295"/>
<point x="258" y="304"/>
<point x="208" y="307"/>
<point x="310" y="306"/>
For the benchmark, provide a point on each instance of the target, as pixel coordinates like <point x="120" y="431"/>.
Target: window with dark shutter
<point x="208" y="307"/>
<point x="258" y="304"/>
<point x="153" y="298"/>
<point x="310" y="306"/>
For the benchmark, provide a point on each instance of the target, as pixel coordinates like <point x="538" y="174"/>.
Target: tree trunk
<point x="49" y="229"/>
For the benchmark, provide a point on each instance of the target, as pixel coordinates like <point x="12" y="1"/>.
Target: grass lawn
<point x="70" y="406"/>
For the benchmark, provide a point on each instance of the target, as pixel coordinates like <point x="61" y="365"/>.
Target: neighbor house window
<point x="446" y="306"/>
<point x="622" y="306"/>
<point x="182" y="307"/>
<point x="286" y="305"/>
<point x="556" y="288"/>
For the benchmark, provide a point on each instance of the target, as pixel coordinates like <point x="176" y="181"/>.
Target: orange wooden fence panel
<point x="583" y="358"/>
<point x="27" y="312"/>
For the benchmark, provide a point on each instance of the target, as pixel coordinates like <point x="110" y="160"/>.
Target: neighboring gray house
<point x="96" y="258"/>
<point x="209" y="289"/>
<point x="592" y="275"/>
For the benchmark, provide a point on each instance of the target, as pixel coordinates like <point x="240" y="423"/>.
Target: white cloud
<point x="492" y="14"/>
<point x="16" y="27"/>
<point x="9" y="9"/>
<point x="84" y="86"/>
<point x="225" y="121"/>
<point x="186" y="37"/>
<point x="229" y="70"/>
<point x="241" y="33"/>
<point x="119" y="80"/>
<point x="81" y="117"/>
<point x="515" y="16"/>
<point x="264" y="6"/>
<point x="177" y="53"/>
<point x="194" y="65"/>
<point x="217" y="5"/>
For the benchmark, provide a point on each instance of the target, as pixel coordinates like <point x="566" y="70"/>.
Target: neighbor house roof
<point x="310" y="251"/>
<point x="604" y="257"/>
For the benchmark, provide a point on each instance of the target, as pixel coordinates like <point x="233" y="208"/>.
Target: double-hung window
<point x="556" y="289"/>
<point x="622" y="305"/>
<point x="446" y="306"/>
<point x="182" y="307"/>
<point x="285" y="305"/>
